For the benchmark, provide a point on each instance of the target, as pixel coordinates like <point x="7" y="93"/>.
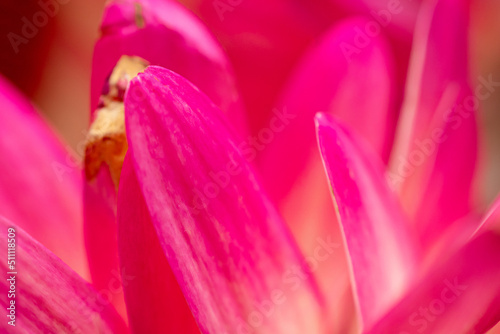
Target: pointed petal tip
<point x="319" y="120"/>
<point x="324" y="120"/>
<point x="331" y="125"/>
<point x="195" y="145"/>
<point x="374" y="227"/>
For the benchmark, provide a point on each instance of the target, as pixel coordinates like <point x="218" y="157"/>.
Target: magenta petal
<point x="458" y="235"/>
<point x="167" y="310"/>
<point x="437" y="121"/>
<point x="101" y="241"/>
<point x="381" y="250"/>
<point x="438" y="193"/>
<point x="49" y="296"/>
<point x="264" y="40"/>
<point x="40" y="182"/>
<point x="439" y="57"/>
<point x="327" y="79"/>
<point x="226" y="244"/>
<point x="165" y="34"/>
<point x="397" y="15"/>
<point x="460" y="295"/>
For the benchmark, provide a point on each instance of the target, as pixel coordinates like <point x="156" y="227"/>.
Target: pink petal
<point x="438" y="58"/>
<point x="167" y="309"/>
<point x="435" y="193"/>
<point x="381" y="251"/>
<point x="39" y="180"/>
<point x="327" y="79"/>
<point x="48" y="296"/>
<point x="101" y="240"/>
<point x="165" y="34"/>
<point x="395" y="15"/>
<point x="459" y="235"/>
<point x="225" y="243"/>
<point x="446" y="193"/>
<point x="264" y="40"/>
<point x="437" y="123"/>
<point x="460" y="294"/>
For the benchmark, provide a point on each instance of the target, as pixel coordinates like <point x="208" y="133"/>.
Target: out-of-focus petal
<point x="382" y="253"/>
<point x="310" y="214"/>
<point x="435" y="193"/>
<point x="446" y="193"/>
<point x="166" y="34"/>
<point x="437" y="121"/>
<point x="24" y="45"/>
<point x="439" y="57"/>
<point x="228" y="248"/>
<point x="457" y="236"/>
<point x="461" y="294"/>
<point x="264" y="40"/>
<point x="326" y="79"/>
<point x="48" y="297"/>
<point x="101" y="240"/>
<point x="40" y="184"/>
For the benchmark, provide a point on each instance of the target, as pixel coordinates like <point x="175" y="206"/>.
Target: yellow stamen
<point x="106" y="140"/>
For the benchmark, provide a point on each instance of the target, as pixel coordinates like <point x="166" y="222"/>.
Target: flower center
<point x="106" y="140"/>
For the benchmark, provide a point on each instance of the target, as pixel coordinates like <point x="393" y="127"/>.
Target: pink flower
<point x="176" y="232"/>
